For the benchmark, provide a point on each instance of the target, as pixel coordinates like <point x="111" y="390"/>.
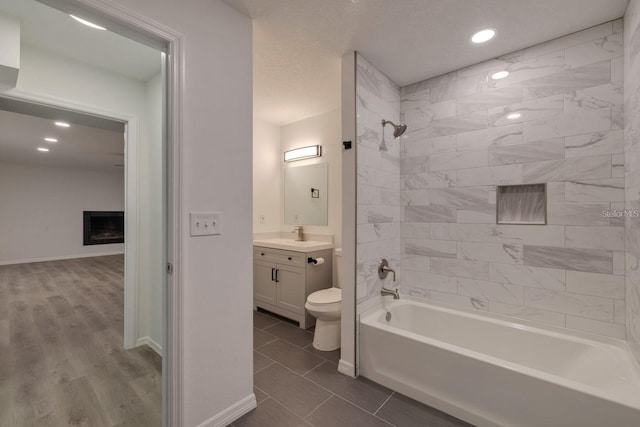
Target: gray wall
<point x="460" y="145"/>
<point x="632" y="171"/>
<point x="378" y="181"/>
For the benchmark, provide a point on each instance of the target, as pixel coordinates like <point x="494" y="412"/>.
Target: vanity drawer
<point x="279" y="256"/>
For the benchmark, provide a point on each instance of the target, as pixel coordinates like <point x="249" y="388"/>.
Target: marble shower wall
<point x="632" y="171"/>
<point x="460" y="144"/>
<point x="378" y="211"/>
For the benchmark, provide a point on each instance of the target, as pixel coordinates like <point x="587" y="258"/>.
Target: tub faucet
<point x="298" y="231"/>
<point x="384" y="292"/>
<point x="384" y="269"/>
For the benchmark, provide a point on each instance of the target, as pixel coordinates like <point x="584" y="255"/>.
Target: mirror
<point x="305" y="195"/>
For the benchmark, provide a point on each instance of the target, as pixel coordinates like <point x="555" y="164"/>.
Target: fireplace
<point x="103" y="227"/>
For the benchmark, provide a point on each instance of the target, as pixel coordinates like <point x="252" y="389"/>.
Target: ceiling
<point x="54" y="31"/>
<point x="298" y="44"/>
<point x="89" y="143"/>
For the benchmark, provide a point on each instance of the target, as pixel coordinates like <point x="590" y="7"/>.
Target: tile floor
<point x="296" y="385"/>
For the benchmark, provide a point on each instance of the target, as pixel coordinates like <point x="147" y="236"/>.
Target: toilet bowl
<point x="326" y="306"/>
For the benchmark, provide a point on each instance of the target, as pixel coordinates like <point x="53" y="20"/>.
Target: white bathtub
<point x="490" y="371"/>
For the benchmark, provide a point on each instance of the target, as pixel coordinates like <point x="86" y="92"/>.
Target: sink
<point x="293" y="245"/>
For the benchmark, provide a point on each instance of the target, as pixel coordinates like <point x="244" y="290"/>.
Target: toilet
<point x="326" y="306"/>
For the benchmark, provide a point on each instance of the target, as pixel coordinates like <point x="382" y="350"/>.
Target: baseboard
<point x="59" y="258"/>
<point x="347" y="368"/>
<point x="232" y="413"/>
<point x="151" y="343"/>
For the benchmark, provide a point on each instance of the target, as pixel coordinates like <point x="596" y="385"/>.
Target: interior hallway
<point x="61" y="356"/>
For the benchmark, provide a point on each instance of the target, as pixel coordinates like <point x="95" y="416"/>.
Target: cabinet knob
<point x="262" y="253"/>
<point x="289" y="258"/>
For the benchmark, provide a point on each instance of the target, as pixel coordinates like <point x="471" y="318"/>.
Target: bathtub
<point x="490" y="371"/>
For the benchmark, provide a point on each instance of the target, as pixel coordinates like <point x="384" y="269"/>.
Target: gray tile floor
<point x="296" y="385"/>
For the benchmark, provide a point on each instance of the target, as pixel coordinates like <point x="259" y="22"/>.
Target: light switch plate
<point x="205" y="223"/>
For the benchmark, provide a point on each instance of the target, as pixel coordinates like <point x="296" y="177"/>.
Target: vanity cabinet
<point x="282" y="281"/>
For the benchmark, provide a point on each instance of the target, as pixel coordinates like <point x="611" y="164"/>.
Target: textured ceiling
<point x="298" y="44"/>
<point x="54" y="31"/>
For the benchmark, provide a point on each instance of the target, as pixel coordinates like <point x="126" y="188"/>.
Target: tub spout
<point x="384" y="292"/>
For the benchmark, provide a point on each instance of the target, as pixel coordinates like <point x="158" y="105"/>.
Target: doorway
<point x="164" y="215"/>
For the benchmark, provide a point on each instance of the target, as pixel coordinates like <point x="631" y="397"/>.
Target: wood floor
<point x="61" y="356"/>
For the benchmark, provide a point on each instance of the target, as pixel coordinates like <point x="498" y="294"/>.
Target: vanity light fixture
<point x="499" y="75"/>
<point x="43" y="149"/>
<point x="51" y="139"/>
<point x="87" y="23"/>
<point x="62" y="124"/>
<point x="303" y="153"/>
<point x="514" y="116"/>
<point x="483" y="36"/>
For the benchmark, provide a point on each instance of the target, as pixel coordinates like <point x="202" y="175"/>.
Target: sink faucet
<point x="384" y="292"/>
<point x="298" y="231"/>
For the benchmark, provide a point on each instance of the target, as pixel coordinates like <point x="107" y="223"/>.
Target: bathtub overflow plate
<point x="388" y="316"/>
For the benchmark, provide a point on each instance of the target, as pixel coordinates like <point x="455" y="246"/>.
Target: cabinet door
<point x="290" y="288"/>
<point x="264" y="289"/>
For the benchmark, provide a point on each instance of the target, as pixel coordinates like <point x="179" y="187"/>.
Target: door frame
<point x="144" y="30"/>
<point x="131" y="175"/>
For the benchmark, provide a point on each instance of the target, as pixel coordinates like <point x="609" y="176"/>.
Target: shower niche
<point x="521" y="204"/>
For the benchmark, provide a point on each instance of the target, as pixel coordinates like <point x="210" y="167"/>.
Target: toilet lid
<point x="325" y="296"/>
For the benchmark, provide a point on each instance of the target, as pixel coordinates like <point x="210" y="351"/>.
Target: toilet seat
<point x="325" y="296"/>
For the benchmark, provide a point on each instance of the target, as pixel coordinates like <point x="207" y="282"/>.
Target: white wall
<point x="326" y="130"/>
<point x="10" y="51"/>
<point x="216" y="168"/>
<point x="349" y="178"/>
<point x="267" y="177"/>
<point x="151" y="274"/>
<point x="41" y="211"/>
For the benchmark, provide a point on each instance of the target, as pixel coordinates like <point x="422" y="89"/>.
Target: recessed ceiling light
<point x="87" y="23"/>
<point x="63" y="124"/>
<point x="499" y="75"/>
<point x="514" y="116"/>
<point x="51" y="140"/>
<point x="42" y="149"/>
<point x="483" y="35"/>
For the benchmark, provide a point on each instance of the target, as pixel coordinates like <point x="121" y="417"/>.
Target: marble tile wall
<point x="378" y="181"/>
<point x="460" y="144"/>
<point x="632" y="172"/>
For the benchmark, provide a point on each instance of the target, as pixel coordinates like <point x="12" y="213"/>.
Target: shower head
<point x="397" y="129"/>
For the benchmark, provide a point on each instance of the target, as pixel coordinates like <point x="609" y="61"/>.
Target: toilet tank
<point x="338" y="265"/>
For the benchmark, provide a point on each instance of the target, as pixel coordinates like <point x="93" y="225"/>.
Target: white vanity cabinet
<point x="282" y="280"/>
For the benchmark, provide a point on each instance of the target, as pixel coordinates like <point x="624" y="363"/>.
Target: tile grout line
<point x="261" y="390"/>
<point x="317" y="407"/>
<point x="362" y="409"/>
<point x="267" y="343"/>
<point x="262" y="369"/>
<point x="313" y="369"/>
<point x="348" y="401"/>
<point x="383" y="403"/>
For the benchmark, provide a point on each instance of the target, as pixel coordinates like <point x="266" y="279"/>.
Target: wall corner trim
<point x="151" y="343"/>
<point x="232" y="413"/>
<point x="346" y="368"/>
